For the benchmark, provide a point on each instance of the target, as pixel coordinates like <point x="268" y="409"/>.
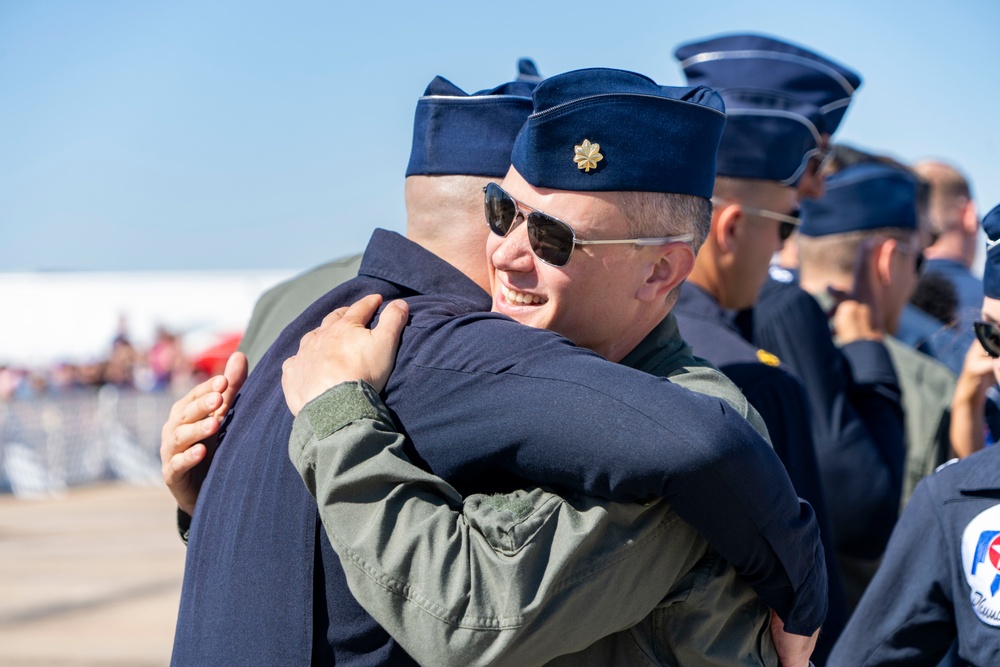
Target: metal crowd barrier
<point x="54" y="442"/>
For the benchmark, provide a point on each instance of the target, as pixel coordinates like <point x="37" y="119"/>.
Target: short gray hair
<point x="656" y="214"/>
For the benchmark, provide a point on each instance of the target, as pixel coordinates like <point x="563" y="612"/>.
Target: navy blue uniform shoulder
<point x="937" y="592"/>
<point x="780" y="399"/>
<point x="241" y="601"/>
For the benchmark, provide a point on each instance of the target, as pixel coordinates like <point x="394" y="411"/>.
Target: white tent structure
<point x="47" y="318"/>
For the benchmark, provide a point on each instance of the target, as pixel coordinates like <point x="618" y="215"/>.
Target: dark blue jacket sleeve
<point x="906" y="615"/>
<point x="857" y="419"/>
<point x="486" y="402"/>
<point x="781" y="400"/>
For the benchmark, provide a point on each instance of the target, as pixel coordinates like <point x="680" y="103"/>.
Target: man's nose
<point x="514" y="252"/>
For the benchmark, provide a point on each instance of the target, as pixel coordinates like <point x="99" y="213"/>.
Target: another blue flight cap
<point x="612" y="130"/>
<point x="862" y="197"/>
<point x="991" y="271"/>
<point x="455" y="133"/>
<point x="768" y="136"/>
<point x="527" y="70"/>
<point x="758" y="62"/>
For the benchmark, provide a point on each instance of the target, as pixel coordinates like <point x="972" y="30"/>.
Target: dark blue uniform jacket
<point x="487" y="403"/>
<point x="939" y="584"/>
<point x="857" y="417"/>
<point x="781" y="400"/>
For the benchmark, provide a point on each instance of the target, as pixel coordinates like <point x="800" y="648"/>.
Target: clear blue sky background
<point x="194" y="134"/>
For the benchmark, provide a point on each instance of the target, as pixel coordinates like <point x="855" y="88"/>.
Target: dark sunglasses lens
<point x="500" y="210"/>
<point x="989" y="335"/>
<point x="551" y="239"/>
<point x="786" y="229"/>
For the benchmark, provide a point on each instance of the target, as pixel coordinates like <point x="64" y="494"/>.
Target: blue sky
<point x="245" y="135"/>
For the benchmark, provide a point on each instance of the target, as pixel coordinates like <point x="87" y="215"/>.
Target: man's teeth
<point x="519" y="297"/>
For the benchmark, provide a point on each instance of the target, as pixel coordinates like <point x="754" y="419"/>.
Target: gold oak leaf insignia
<point x="586" y="155"/>
<point x="768" y="358"/>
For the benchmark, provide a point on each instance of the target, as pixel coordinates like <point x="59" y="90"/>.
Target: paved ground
<point x="90" y="578"/>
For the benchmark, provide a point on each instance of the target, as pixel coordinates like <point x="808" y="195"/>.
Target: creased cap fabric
<point x="862" y="197"/>
<point x="766" y="63"/>
<point x="455" y="133"/>
<point x="768" y="136"/>
<point x="613" y="130"/>
<point x="991" y="271"/>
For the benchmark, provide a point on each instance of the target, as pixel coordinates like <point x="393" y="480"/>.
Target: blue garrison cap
<point x="991" y="272"/>
<point x="862" y="197"/>
<point x="768" y="136"/>
<point x="766" y="63"/>
<point x="611" y="130"/>
<point x="527" y="70"/>
<point x="457" y="133"/>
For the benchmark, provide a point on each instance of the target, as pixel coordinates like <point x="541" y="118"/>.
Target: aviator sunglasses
<point x="551" y="239"/>
<point x="789" y="222"/>
<point x="989" y="335"/>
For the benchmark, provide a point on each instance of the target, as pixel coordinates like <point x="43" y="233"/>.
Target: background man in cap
<point x="626" y="479"/>
<point x="281" y="304"/>
<point x="536" y="282"/>
<point x="766" y="146"/>
<point x="250" y="607"/>
<point x="744" y="60"/>
<point x="926" y="384"/>
<point x="936" y="592"/>
<point x="863" y="235"/>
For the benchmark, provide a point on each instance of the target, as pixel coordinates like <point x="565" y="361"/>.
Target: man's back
<point x="256" y="568"/>
<point x="281" y="304"/>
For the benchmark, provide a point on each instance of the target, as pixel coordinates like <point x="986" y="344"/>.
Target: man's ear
<point x="884" y="254"/>
<point x="970" y="221"/>
<point x="725" y="227"/>
<point x="672" y="265"/>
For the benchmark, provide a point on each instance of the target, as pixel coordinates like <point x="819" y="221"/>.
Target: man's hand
<point x="859" y="314"/>
<point x="968" y="402"/>
<point x="343" y="349"/>
<point x="793" y="650"/>
<point x="189" y="437"/>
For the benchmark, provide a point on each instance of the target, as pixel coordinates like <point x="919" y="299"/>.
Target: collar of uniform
<point x="398" y="260"/>
<point x="980" y="473"/>
<point x="662" y="351"/>
<point x="696" y="302"/>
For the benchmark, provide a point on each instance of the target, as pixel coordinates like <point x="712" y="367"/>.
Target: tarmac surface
<point x="92" y="577"/>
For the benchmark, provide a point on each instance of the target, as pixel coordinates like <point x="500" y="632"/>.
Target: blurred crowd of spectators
<point x="163" y="366"/>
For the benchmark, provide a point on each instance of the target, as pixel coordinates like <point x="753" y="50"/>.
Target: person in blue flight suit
<point x="860" y="239"/>
<point x="770" y="140"/>
<point x="973" y="406"/>
<point x="730" y="61"/>
<point x="936" y="598"/>
<point x="242" y="602"/>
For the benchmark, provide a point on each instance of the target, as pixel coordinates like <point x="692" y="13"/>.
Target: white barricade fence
<point x="54" y="442"/>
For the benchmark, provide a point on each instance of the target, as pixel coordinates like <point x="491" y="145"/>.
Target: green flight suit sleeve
<point x="515" y="578"/>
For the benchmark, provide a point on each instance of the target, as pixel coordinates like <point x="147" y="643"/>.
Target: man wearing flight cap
<point x="935" y="598"/>
<point x="744" y="60"/>
<point x="862" y="237"/>
<point x="766" y="147"/>
<point x="606" y="280"/>
<point x="262" y="585"/>
<point x="282" y="303"/>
